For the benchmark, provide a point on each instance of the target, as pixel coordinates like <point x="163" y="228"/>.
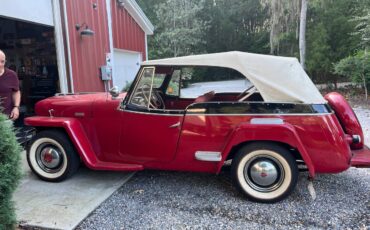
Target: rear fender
<point x="283" y="133"/>
<point x="75" y="132"/>
<point x="347" y="118"/>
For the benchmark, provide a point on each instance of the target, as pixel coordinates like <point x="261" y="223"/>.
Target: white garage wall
<point x="125" y="67"/>
<point x="38" y="11"/>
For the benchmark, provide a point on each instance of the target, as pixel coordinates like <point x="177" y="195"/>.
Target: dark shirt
<point x="9" y="83"/>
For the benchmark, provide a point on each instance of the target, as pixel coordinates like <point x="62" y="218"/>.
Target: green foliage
<point x="184" y="27"/>
<point x="356" y="67"/>
<point x="335" y="29"/>
<point x="9" y="172"/>
<point x="236" y="25"/>
<point x="179" y="29"/>
<point x="283" y="21"/>
<point x="330" y="36"/>
<point x="319" y="62"/>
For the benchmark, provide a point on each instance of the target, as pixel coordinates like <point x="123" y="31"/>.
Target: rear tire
<point x="264" y="172"/>
<point x="51" y="156"/>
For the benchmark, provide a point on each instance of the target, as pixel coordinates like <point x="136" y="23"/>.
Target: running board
<point x="361" y="158"/>
<point x="109" y="166"/>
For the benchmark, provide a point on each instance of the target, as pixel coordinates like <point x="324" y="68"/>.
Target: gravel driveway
<point x="173" y="200"/>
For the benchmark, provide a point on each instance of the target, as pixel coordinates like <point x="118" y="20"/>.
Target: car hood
<point x="73" y="105"/>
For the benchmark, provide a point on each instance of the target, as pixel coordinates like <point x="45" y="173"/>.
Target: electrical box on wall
<point x="106" y="73"/>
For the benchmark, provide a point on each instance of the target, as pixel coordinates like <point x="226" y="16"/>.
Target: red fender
<point x="346" y="117"/>
<point x="283" y="133"/>
<point x="79" y="139"/>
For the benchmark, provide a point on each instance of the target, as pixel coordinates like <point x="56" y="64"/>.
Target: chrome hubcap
<point x="264" y="173"/>
<point x="49" y="158"/>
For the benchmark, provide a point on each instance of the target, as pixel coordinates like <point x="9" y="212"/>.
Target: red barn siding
<point x="87" y="52"/>
<point x="127" y="34"/>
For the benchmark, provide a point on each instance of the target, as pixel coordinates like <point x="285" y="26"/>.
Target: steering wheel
<point x="155" y="101"/>
<point x="246" y="93"/>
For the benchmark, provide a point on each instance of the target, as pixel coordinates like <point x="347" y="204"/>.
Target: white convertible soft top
<point x="278" y="79"/>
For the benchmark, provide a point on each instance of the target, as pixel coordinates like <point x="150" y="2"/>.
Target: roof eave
<point x="137" y="13"/>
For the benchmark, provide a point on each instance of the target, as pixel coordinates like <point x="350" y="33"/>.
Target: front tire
<point x="51" y="156"/>
<point x="264" y="172"/>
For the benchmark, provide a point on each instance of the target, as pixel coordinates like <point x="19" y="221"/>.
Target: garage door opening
<point x="30" y="51"/>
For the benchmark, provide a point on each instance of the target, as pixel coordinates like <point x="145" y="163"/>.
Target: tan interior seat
<point x="205" y="97"/>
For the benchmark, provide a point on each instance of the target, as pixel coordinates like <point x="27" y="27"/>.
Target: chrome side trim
<point x="175" y="125"/>
<point x="267" y="121"/>
<point x="156" y="114"/>
<point x="229" y="115"/>
<point x="259" y="114"/>
<point x="208" y="156"/>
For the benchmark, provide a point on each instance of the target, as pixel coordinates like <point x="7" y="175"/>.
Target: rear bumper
<point x="361" y="158"/>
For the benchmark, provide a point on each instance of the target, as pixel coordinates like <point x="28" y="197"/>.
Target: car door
<point x="149" y="132"/>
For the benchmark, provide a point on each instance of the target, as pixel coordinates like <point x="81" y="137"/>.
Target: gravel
<point x="178" y="200"/>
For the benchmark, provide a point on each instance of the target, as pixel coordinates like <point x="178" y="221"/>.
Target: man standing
<point x="10" y="96"/>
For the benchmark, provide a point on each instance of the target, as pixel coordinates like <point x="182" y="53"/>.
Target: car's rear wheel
<point x="264" y="172"/>
<point x="51" y="156"/>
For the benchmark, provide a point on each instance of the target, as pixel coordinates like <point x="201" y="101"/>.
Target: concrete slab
<point x="63" y="205"/>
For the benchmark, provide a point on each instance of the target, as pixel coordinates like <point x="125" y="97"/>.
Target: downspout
<point x="59" y="45"/>
<point x="68" y="45"/>
<point x="146" y="47"/>
<point x="110" y="37"/>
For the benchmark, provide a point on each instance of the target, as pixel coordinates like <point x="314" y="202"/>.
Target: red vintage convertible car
<point x="190" y="114"/>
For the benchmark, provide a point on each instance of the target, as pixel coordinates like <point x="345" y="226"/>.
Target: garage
<point x="63" y="46"/>
<point x="126" y="64"/>
<point x="30" y="51"/>
<point x="27" y="37"/>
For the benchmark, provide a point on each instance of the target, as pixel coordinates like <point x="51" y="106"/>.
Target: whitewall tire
<point x="264" y="172"/>
<point x="51" y="156"/>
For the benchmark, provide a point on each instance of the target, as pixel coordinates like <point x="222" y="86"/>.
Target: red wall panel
<point x="127" y="34"/>
<point x="87" y="52"/>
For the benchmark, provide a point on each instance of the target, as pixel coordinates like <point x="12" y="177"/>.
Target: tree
<point x="357" y="68"/>
<point x="302" y="33"/>
<point x="330" y="36"/>
<point x="363" y="29"/>
<point x="236" y="25"/>
<point x="9" y="171"/>
<point x="284" y="18"/>
<point x="179" y="30"/>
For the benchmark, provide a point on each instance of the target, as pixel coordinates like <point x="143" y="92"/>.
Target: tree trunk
<point x="363" y="75"/>
<point x="302" y="33"/>
<point x="365" y="86"/>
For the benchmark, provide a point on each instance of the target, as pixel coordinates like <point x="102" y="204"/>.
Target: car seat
<point x="205" y="97"/>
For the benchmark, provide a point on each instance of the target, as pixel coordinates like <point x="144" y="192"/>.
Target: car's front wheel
<point x="51" y="156"/>
<point x="264" y="172"/>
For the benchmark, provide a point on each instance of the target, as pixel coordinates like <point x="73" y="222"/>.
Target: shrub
<point x="10" y="172"/>
<point x="357" y="68"/>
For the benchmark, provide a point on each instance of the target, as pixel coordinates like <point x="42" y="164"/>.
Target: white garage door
<point x="39" y="11"/>
<point x="126" y="65"/>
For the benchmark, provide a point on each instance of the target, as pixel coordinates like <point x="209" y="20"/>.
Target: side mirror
<point x="114" y="91"/>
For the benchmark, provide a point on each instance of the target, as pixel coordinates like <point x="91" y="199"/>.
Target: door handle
<point x="175" y="125"/>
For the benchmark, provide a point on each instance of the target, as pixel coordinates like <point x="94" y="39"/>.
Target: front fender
<point x="75" y="132"/>
<point x="283" y="133"/>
